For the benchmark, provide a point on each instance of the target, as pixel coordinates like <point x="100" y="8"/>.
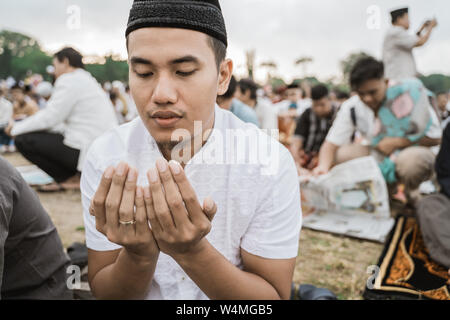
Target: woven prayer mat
<point x="406" y="270"/>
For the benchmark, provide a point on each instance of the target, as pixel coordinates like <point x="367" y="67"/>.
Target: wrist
<point x="193" y="254"/>
<point x="141" y="260"/>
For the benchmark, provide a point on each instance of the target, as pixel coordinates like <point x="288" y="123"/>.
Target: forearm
<point x="423" y="39"/>
<point x="429" y="142"/>
<point x="327" y="155"/>
<point x="126" y="278"/>
<point x="221" y="280"/>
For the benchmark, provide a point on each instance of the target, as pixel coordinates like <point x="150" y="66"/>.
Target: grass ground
<point x="325" y="260"/>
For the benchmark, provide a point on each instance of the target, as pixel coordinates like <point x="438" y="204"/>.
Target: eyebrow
<point x="185" y="59"/>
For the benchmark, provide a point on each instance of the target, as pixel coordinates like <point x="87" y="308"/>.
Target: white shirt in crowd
<point x="342" y="129"/>
<point x="6" y="112"/>
<point x="398" y="58"/>
<point x="258" y="201"/>
<point x="267" y="114"/>
<point x="80" y="105"/>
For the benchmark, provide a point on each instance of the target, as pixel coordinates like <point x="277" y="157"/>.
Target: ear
<point x="225" y="73"/>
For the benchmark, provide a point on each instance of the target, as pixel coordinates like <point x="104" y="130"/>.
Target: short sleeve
<point x="435" y="131"/>
<point x="274" y="230"/>
<point x="342" y="129"/>
<point x="405" y="40"/>
<point x="90" y="180"/>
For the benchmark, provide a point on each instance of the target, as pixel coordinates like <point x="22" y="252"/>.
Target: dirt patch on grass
<point x="325" y="260"/>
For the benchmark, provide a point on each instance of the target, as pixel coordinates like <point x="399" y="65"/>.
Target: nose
<point x="164" y="92"/>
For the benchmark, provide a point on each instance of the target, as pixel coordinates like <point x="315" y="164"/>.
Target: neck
<point x="226" y="104"/>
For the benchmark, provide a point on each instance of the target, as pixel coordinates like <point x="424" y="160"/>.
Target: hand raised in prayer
<point x="178" y="221"/>
<point x="115" y="216"/>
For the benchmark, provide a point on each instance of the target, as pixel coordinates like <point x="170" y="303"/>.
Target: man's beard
<point x="176" y="150"/>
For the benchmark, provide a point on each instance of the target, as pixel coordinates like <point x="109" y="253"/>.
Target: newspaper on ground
<point x="34" y="176"/>
<point x="352" y="199"/>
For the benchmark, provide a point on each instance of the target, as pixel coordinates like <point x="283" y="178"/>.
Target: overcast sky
<point x="278" y="30"/>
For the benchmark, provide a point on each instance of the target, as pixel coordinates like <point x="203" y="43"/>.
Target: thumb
<point x="209" y="208"/>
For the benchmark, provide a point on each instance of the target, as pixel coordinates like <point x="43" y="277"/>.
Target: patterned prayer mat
<point x="406" y="270"/>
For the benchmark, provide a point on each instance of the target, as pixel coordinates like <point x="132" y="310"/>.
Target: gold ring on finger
<point x="127" y="223"/>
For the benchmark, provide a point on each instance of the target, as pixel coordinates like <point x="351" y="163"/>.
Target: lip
<point x="166" y="122"/>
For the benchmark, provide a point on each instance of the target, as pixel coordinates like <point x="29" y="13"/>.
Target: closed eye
<point x="144" y="75"/>
<point x="186" y="74"/>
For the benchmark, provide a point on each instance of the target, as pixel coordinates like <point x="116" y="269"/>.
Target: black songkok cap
<point x="398" y="13"/>
<point x="199" y="15"/>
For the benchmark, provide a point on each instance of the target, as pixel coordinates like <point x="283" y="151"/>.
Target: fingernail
<point x="121" y="169"/>
<point x="132" y="175"/>
<point x="147" y="192"/>
<point x="109" y="172"/>
<point x="161" y="164"/>
<point x="175" y="167"/>
<point x="153" y="175"/>
<point x="139" y="192"/>
<point x="209" y="204"/>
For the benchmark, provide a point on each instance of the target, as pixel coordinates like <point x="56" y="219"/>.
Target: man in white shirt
<point x="359" y="123"/>
<point x="398" y="45"/>
<point x="79" y="105"/>
<point x="243" y="241"/>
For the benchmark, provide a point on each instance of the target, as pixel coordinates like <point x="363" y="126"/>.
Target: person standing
<point x="398" y="45"/>
<point x="80" y="105"/>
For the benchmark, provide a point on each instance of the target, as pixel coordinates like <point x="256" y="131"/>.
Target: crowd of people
<point x="70" y="129"/>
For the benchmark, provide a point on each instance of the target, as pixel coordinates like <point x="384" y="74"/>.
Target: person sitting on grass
<point x="79" y="106"/>
<point x="312" y="128"/>
<point x="24" y="107"/>
<point x="192" y="223"/>
<point x="33" y="264"/>
<point x="390" y="121"/>
<point x="228" y="102"/>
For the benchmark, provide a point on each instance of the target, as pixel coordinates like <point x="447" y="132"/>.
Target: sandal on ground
<point x="56" y="187"/>
<point x="310" y="292"/>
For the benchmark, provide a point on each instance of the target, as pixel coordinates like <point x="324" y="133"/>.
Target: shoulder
<point x="352" y="103"/>
<point x="257" y="141"/>
<point x="116" y="142"/>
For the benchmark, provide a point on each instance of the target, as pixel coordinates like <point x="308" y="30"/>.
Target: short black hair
<point x="366" y="69"/>
<point x="397" y="14"/>
<point x="293" y="85"/>
<point x="231" y="89"/>
<point x="248" y="84"/>
<point x="319" y="91"/>
<point x="218" y="47"/>
<point x="75" y="58"/>
<point x="441" y="93"/>
<point x="342" y="95"/>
